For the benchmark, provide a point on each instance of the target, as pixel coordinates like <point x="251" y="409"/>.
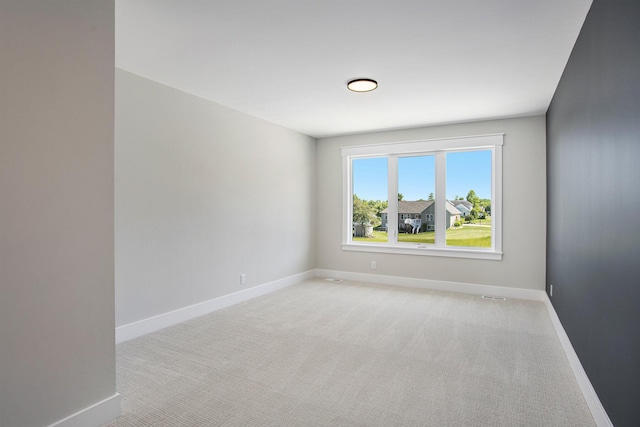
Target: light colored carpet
<point x="353" y="354"/>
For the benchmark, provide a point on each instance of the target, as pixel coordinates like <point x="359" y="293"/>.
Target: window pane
<point x="416" y="199"/>
<point x="370" y="194"/>
<point x="469" y="199"/>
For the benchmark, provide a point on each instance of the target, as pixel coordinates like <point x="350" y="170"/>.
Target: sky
<point x="466" y="170"/>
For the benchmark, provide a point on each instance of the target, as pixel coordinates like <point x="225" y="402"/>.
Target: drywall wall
<point x="204" y="193"/>
<point x="57" y="345"/>
<point x="593" y="252"/>
<point x="523" y="264"/>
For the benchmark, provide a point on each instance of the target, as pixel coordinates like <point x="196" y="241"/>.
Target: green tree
<point x="378" y="206"/>
<point x="473" y="198"/>
<point x="400" y="196"/>
<point x="363" y="213"/>
<point x="474" y="214"/>
<point x="430" y="196"/>
<point x="486" y="205"/>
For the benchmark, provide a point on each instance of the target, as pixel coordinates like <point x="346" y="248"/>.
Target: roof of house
<point x="411" y="207"/>
<point x="465" y="203"/>
<point x="452" y="209"/>
<point x="417" y="207"/>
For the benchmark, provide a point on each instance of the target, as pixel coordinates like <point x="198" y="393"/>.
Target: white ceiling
<point x="288" y="61"/>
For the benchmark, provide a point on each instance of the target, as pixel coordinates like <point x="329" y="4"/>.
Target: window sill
<point x="423" y="250"/>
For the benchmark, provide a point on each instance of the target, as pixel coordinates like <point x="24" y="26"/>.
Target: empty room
<point x="295" y="213"/>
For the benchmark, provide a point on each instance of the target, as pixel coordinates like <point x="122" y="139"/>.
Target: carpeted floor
<point x="353" y="354"/>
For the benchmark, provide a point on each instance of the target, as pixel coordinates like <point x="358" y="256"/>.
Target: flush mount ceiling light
<point x="362" y="85"/>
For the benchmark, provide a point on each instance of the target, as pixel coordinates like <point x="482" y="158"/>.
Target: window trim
<point x="439" y="148"/>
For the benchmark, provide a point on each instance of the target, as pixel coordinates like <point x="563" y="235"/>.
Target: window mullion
<point x="347" y="181"/>
<point x="392" y="185"/>
<point x="441" y="208"/>
<point x="496" y="198"/>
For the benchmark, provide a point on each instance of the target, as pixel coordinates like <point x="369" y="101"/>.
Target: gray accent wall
<point x="57" y="338"/>
<point x="593" y="256"/>
<point x="203" y="194"/>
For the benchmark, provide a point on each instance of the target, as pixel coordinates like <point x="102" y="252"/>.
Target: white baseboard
<point x="94" y="415"/>
<point x="155" y="323"/>
<point x="110" y="408"/>
<point x="595" y="406"/>
<point x="435" y="285"/>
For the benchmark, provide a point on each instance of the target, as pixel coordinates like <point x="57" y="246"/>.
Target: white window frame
<point x="439" y="148"/>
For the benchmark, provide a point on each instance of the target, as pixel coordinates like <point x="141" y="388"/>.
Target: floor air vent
<point x="494" y="298"/>
<point x="333" y="280"/>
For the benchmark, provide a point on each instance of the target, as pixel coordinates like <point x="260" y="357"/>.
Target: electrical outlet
<point x="374" y="265"/>
<point x="243" y="279"/>
<point x="550" y="290"/>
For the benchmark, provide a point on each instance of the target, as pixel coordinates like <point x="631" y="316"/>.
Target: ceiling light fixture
<point x="362" y="85"/>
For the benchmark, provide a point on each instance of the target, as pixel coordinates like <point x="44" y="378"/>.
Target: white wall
<point x="203" y="194"/>
<point x="524" y="209"/>
<point x="57" y="351"/>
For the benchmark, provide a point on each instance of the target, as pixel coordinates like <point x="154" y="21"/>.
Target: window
<point x="435" y="197"/>
<point x="469" y="176"/>
<point x="369" y="178"/>
<point x="416" y="187"/>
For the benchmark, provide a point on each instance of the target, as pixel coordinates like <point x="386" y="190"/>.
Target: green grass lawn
<point x="478" y="237"/>
<point x="470" y="236"/>
<point x="484" y="221"/>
